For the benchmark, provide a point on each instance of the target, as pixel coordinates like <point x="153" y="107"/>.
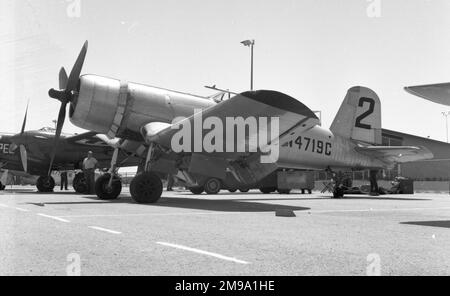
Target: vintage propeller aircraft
<point x="30" y="152"/>
<point x="143" y="118"/>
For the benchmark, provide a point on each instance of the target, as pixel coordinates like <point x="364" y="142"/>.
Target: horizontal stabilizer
<point x="399" y="154"/>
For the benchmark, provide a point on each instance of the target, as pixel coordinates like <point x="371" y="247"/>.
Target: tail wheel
<point x="45" y="184"/>
<point x="79" y="183"/>
<point x="146" y="188"/>
<point x="106" y="192"/>
<point x="197" y="190"/>
<point x="213" y="186"/>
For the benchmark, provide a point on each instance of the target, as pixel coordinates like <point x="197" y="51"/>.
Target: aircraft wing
<point x="292" y="114"/>
<point x="90" y="139"/>
<point x="398" y="154"/>
<point x="438" y="93"/>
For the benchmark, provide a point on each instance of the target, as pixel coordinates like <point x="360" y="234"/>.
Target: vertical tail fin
<point x="359" y="117"/>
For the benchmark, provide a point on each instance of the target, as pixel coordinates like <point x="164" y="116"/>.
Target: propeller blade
<point x="59" y="127"/>
<point x="63" y="79"/>
<point x="25" y="119"/>
<point x="76" y="70"/>
<point x="24" y="158"/>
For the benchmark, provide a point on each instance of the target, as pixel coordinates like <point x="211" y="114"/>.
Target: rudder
<point x="359" y="117"/>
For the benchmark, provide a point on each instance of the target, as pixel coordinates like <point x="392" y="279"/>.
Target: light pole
<point x="251" y="44"/>
<point x="446" y="114"/>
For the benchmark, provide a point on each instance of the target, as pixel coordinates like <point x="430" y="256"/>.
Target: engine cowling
<point x="116" y="108"/>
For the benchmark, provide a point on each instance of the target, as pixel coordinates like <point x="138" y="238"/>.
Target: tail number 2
<point x="366" y="114"/>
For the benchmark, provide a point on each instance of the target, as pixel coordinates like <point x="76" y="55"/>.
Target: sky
<point x="313" y="50"/>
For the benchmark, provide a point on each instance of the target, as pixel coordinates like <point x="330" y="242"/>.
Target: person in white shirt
<point x="89" y="166"/>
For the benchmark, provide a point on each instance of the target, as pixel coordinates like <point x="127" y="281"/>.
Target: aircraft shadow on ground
<point x="219" y="205"/>
<point x="304" y="197"/>
<point x="443" y="224"/>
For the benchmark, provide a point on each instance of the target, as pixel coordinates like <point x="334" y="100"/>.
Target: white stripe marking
<point x="22" y="210"/>
<point x="54" y="218"/>
<point x="105" y="230"/>
<point x="3" y="206"/>
<point x="203" y="252"/>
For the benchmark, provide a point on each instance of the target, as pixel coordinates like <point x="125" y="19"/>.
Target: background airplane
<point x="30" y="152"/>
<point x="141" y="116"/>
<point x="438" y="93"/>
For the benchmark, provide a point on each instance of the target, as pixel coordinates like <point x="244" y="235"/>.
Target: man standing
<point x="64" y="181"/>
<point x="89" y="166"/>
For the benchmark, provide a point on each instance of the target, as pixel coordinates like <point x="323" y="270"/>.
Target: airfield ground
<point x="227" y="234"/>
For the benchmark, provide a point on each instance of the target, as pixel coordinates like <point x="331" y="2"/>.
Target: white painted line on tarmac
<point x="22" y="210"/>
<point x="105" y="230"/>
<point x="54" y="218"/>
<point x="198" y="251"/>
<point x="3" y="206"/>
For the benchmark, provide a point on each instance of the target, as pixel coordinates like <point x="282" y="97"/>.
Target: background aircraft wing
<point x="438" y="93"/>
<point x="90" y="139"/>
<point x="397" y="154"/>
<point x="292" y="115"/>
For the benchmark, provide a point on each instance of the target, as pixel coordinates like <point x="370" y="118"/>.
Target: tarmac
<point x="64" y="233"/>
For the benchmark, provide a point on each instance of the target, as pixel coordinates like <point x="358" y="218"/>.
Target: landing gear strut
<point x="109" y="186"/>
<point x="45" y="184"/>
<point x="146" y="187"/>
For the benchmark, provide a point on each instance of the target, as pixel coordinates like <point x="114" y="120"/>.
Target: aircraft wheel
<point x="79" y="183"/>
<point x="267" y="190"/>
<point x="232" y="190"/>
<point x="213" y="186"/>
<point x="197" y="190"/>
<point x="45" y="184"/>
<point x="146" y="188"/>
<point x="284" y="191"/>
<point x="244" y="190"/>
<point x="106" y="192"/>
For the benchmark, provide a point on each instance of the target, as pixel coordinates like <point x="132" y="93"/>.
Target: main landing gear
<point x="146" y="187"/>
<point x="109" y="186"/>
<point x="45" y="184"/>
<point x="79" y="183"/>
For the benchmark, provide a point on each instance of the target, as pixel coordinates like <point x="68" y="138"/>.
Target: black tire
<point x="232" y="190"/>
<point x="102" y="190"/>
<point x="267" y="190"/>
<point x="244" y="190"/>
<point x="284" y="191"/>
<point x="79" y="184"/>
<point x="213" y="186"/>
<point x="146" y="188"/>
<point x="197" y="190"/>
<point x="45" y="184"/>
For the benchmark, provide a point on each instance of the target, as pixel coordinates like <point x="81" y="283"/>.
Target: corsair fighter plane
<point x="143" y="117"/>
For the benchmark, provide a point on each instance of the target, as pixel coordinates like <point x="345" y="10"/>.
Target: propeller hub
<point x="60" y="95"/>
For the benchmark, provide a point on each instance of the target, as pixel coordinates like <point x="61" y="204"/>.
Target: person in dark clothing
<point x="170" y="182"/>
<point x="64" y="181"/>
<point x="374" y="190"/>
